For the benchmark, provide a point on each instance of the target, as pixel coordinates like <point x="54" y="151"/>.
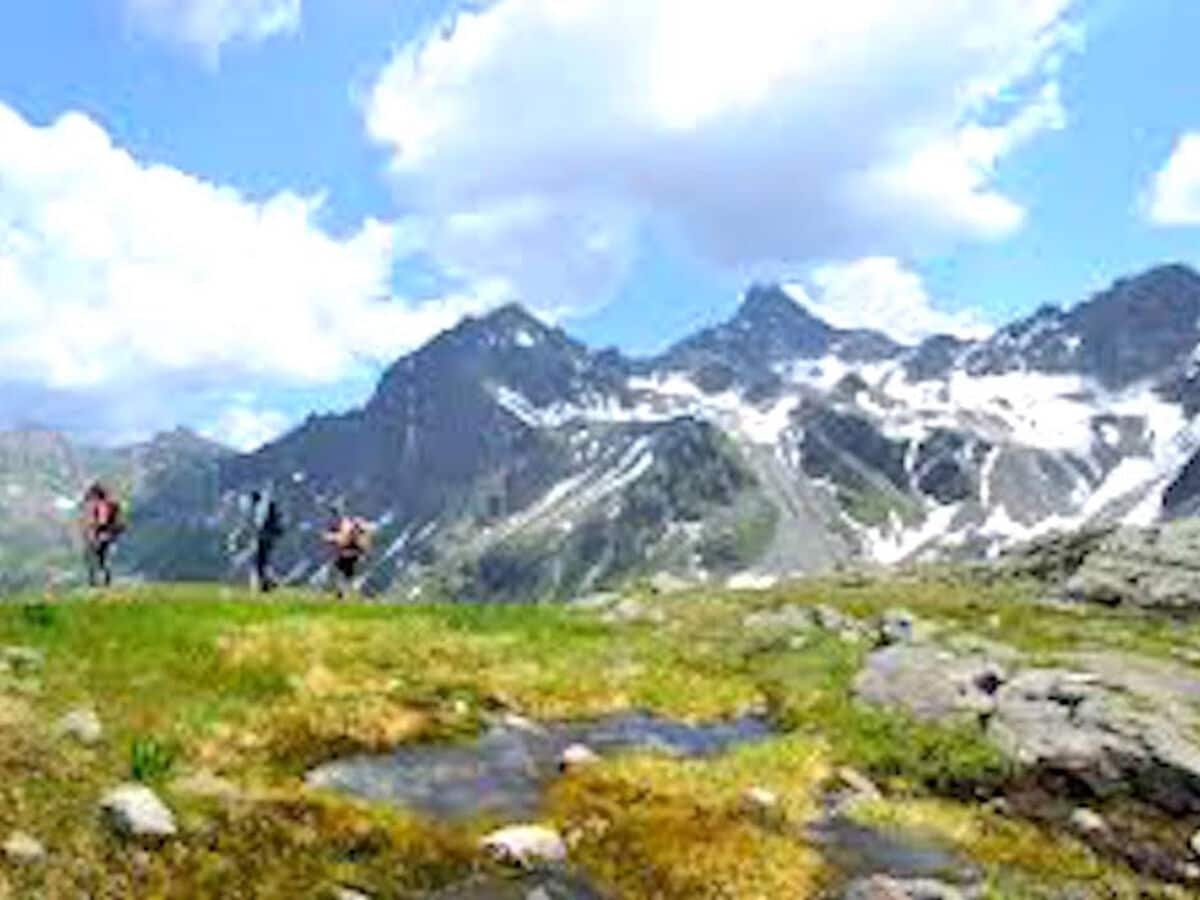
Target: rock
<point x="22" y="849"/>
<point x="632" y="612"/>
<point x="898" y="627"/>
<point x="82" y="725"/>
<point x="884" y="887"/>
<point x="577" y="756"/>
<point x="762" y="805"/>
<point x="1123" y="732"/>
<point x="21" y="660"/>
<point x="1087" y="821"/>
<point x="597" y="601"/>
<point x="829" y="619"/>
<point x="666" y="583"/>
<point x="930" y="682"/>
<point x="206" y="784"/>
<point x="1194" y="844"/>
<point x="538" y="893"/>
<point x="515" y="722"/>
<point x="345" y="893"/>
<point x="1115" y="725"/>
<point x="134" y="811"/>
<point x="785" y="619"/>
<point x="860" y="785"/>
<point x="1149" y="568"/>
<point x="526" y="845"/>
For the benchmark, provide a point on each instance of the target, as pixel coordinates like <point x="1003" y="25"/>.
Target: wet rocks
<point x="135" y="812"/>
<point x="81" y="725"/>
<point x="23" y="849"/>
<point x="525" y="846"/>
<point x="884" y="887"/>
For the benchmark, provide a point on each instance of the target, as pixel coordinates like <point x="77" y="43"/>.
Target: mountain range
<point x="505" y="460"/>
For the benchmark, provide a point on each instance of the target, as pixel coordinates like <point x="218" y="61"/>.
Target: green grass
<point x="196" y="678"/>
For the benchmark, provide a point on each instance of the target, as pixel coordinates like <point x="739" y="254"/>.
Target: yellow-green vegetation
<point x="1020" y="854"/>
<point x="222" y="701"/>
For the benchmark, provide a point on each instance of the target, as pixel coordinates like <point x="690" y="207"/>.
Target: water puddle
<point x="860" y="851"/>
<point x="534" y="886"/>
<point x="505" y="771"/>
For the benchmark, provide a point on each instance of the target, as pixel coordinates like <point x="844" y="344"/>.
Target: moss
<point x="652" y="827"/>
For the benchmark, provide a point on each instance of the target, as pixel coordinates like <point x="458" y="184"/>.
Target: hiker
<point x="350" y="539"/>
<point x="102" y="525"/>
<point x="267" y="527"/>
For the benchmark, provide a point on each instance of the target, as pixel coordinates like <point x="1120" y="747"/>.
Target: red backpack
<point x="107" y="516"/>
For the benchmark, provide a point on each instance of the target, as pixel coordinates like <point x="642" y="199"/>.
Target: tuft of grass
<point x="150" y="759"/>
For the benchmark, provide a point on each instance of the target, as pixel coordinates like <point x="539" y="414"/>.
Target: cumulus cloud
<point x="538" y="136"/>
<point x="1174" y="194"/>
<point x="246" y="425"/>
<point x="879" y="293"/>
<point x="207" y="25"/>
<point x="130" y="286"/>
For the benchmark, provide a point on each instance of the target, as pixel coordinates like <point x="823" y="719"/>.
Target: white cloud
<point x="132" y="286"/>
<point x="245" y="425"/>
<point x="207" y="25"/>
<point x="1174" y="195"/>
<point x="538" y="136"/>
<point x="880" y="294"/>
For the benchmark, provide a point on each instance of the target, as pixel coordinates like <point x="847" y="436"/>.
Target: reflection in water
<point x="505" y="770"/>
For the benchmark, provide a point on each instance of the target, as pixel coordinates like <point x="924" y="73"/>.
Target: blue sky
<point x="227" y="213"/>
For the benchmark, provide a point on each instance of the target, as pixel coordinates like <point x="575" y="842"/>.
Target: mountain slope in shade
<point x="505" y="460"/>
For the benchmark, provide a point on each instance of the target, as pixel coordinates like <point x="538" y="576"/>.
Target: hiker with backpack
<point x="102" y="525"/>
<point x="266" y="526"/>
<point x="350" y="539"/>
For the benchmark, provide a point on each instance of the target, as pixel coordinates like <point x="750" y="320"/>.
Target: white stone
<point x="526" y="845"/>
<point x="1194" y="843"/>
<point x="83" y="725"/>
<point x="760" y="800"/>
<point x="23" y="849"/>
<point x="1087" y="821"/>
<point x="135" y="811"/>
<point x="577" y="756"/>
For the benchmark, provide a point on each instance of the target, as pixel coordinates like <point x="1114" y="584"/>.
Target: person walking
<point x="350" y="539"/>
<point x="102" y="525"/>
<point x="266" y="526"/>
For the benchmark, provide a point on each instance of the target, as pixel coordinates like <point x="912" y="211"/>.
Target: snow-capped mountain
<point x="505" y="460"/>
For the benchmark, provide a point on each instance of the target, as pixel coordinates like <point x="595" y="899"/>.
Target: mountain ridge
<point x="506" y="459"/>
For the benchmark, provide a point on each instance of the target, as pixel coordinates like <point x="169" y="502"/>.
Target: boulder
<point x="23" y="849"/>
<point x="526" y="846"/>
<point x="134" y="811"/>
<point x="930" y="682"/>
<point x="1149" y="568"/>
<point x="1109" y="724"/>
<point x="897" y="626"/>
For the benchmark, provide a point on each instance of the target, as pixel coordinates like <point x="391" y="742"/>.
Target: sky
<point x="227" y="214"/>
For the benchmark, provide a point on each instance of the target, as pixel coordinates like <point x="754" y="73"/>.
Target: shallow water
<point x="532" y="886"/>
<point x="506" y="770"/>
<point x="859" y="851"/>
